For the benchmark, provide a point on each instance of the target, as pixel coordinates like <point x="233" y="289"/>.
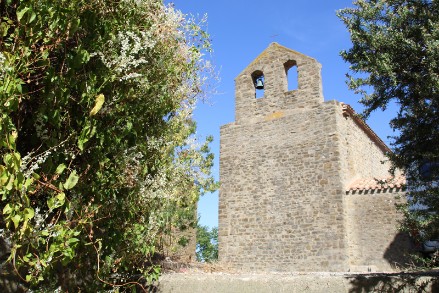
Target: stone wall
<point x="273" y="64"/>
<point x="297" y="283"/>
<point x="180" y="245"/>
<point x="281" y="198"/>
<point x="374" y="242"/>
<point x="363" y="157"/>
<point x="285" y="166"/>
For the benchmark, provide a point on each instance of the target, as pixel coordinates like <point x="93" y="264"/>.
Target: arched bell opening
<point x="259" y="83"/>
<point x="292" y="75"/>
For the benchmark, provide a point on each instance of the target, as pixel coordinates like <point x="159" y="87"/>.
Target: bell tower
<point x="271" y="69"/>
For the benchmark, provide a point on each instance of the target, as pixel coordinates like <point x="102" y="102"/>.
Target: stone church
<point x="303" y="183"/>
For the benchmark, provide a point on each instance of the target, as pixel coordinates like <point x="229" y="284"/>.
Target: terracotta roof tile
<point x="389" y="182"/>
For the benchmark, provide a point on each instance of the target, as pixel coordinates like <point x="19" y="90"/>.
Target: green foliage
<point x="98" y="154"/>
<point x="207" y="244"/>
<point x="395" y="58"/>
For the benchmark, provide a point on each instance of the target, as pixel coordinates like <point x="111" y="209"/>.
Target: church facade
<point x="303" y="183"/>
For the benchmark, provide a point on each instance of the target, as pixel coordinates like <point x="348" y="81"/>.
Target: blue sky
<point x="241" y="30"/>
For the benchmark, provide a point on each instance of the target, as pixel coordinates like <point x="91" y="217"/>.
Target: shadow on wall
<point x="398" y="282"/>
<point x="399" y="250"/>
<point x="398" y="256"/>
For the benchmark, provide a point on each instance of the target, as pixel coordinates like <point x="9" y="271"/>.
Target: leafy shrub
<point x="98" y="147"/>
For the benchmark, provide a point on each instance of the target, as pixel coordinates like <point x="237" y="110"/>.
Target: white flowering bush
<point x="99" y="154"/>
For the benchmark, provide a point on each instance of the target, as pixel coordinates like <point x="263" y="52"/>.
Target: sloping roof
<point x="348" y="111"/>
<point x="389" y="182"/>
<point x="273" y="47"/>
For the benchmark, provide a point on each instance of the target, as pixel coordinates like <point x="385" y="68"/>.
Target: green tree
<point x="207" y="244"/>
<point x="395" y="58"/>
<point x="99" y="159"/>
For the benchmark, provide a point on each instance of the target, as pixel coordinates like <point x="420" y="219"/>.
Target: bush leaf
<point x="60" y="169"/>
<point x="100" y="99"/>
<point x="71" y="181"/>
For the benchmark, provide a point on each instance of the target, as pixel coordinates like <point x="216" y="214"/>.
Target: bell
<point x="259" y="84"/>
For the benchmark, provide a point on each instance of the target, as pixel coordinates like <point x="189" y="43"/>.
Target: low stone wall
<point x="297" y="282"/>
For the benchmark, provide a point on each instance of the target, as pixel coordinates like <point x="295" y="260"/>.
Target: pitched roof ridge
<point x="266" y="50"/>
<point x="288" y="49"/>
